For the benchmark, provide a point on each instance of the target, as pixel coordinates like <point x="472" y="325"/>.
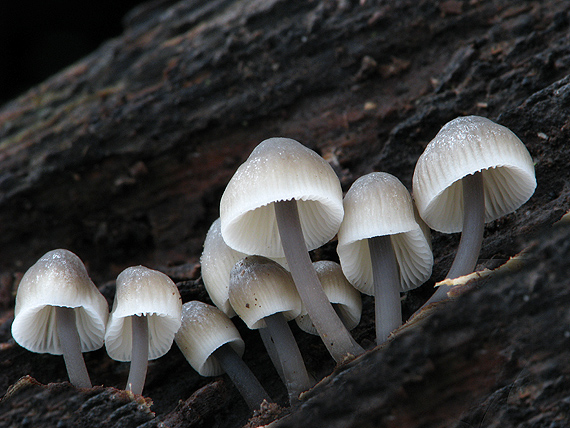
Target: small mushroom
<point x="212" y="345"/>
<point x="383" y="250"/>
<point x="344" y="297"/>
<point x="144" y="319"/>
<point x="263" y="294"/>
<point x="60" y="311"/>
<point x="473" y="171"/>
<point x="284" y="200"/>
<point x="217" y="260"/>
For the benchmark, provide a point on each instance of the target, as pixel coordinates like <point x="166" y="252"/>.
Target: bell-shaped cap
<point x="58" y="278"/>
<point x="280" y="169"/>
<point x="378" y="204"/>
<point x="344" y="297"/>
<point x="260" y="287"/>
<point x="144" y="292"/>
<point x="204" y="329"/>
<point x="463" y="147"/>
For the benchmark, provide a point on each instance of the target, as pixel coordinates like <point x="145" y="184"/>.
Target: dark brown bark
<point x="122" y="158"/>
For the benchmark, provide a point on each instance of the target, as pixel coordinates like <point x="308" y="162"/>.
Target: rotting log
<point x="122" y="158"/>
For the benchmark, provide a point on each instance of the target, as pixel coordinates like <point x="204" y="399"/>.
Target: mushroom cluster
<point x="286" y="200"/>
<point x="282" y="202"/>
<point x="59" y="310"/>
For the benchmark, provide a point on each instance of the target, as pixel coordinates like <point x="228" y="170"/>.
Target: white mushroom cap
<point x="58" y="278"/>
<point x="260" y="287"/>
<point x="143" y="291"/>
<point x="378" y="204"/>
<point x="204" y="329"/>
<point x="280" y="169"/>
<point x="340" y="293"/>
<point x="462" y="147"/>
<point x="217" y="261"/>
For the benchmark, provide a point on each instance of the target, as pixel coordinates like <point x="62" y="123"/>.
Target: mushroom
<point x="212" y="345"/>
<point x="473" y="171"/>
<point x="284" y="200"/>
<point x="60" y="311"/>
<point x="217" y="260"/>
<point x="383" y="250"/>
<point x="263" y="294"/>
<point x="144" y="319"/>
<point x="344" y="297"/>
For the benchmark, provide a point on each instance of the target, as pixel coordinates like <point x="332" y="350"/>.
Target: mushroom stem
<point x="270" y="347"/>
<point x="295" y="373"/>
<point x="71" y="347"/>
<point x="472" y="234"/>
<point x="269" y="344"/>
<point x="388" y="310"/>
<point x="242" y="377"/>
<point x="139" y="359"/>
<point x="334" y="334"/>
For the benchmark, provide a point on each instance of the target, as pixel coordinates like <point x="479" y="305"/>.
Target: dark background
<point x="37" y="39"/>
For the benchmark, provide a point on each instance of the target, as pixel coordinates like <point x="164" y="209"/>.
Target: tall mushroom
<point x="473" y="171"/>
<point x="263" y="294"/>
<point x="145" y="317"/>
<point x="212" y="345"/>
<point x="60" y="311"/>
<point x="383" y="250"/>
<point x="285" y="200"/>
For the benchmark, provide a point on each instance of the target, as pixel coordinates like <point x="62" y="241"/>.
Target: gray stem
<point x="334" y="334"/>
<point x="295" y="373"/>
<point x="242" y="377"/>
<point x="472" y="234"/>
<point x="388" y="309"/>
<point x="139" y="356"/>
<point x="71" y="347"/>
<point x="270" y="347"/>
